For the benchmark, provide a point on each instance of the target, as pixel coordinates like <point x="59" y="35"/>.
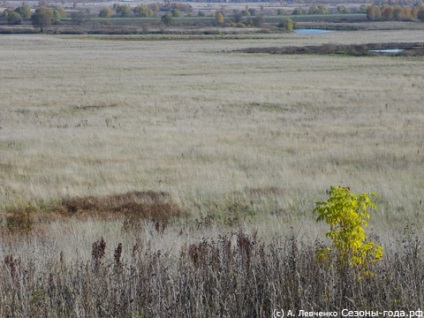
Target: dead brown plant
<point x="135" y="205"/>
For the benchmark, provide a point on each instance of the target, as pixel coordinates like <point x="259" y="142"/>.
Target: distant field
<point x="238" y="146"/>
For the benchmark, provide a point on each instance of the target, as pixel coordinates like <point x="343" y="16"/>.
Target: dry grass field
<point x="251" y="140"/>
<point x="91" y="117"/>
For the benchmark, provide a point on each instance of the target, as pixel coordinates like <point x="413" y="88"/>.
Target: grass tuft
<point x="20" y="217"/>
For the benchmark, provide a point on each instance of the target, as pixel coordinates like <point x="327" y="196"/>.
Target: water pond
<point x="386" y="51"/>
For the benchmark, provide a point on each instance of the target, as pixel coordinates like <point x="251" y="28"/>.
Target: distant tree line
<point x="41" y="18"/>
<point x="395" y="13"/>
<point x="17" y="15"/>
<point x="146" y="10"/>
<point x="322" y="9"/>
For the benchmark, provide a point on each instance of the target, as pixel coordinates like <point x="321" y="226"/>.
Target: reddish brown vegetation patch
<point x="151" y="205"/>
<point x="131" y="207"/>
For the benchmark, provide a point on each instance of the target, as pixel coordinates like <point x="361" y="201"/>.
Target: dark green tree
<point x="143" y="11"/>
<point x="318" y="10"/>
<point x="105" y="13"/>
<point x="63" y="13"/>
<point x="237" y="16"/>
<point x="176" y="13"/>
<point x="281" y="12"/>
<point x="298" y="11"/>
<point x="420" y="14"/>
<point x="342" y="9"/>
<point x="14" y="17"/>
<point x="286" y="25"/>
<point x="123" y="10"/>
<point x="57" y="17"/>
<point x="252" y="11"/>
<point x="42" y="18"/>
<point x="245" y="13"/>
<point x="24" y="10"/>
<point x="167" y="19"/>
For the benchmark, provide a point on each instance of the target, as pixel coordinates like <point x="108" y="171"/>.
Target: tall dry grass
<point x="236" y="275"/>
<point x="90" y="117"/>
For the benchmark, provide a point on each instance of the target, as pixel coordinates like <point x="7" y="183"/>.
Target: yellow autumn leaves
<point x="346" y="214"/>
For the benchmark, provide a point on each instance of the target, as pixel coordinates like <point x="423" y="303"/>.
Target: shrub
<point x="318" y="10"/>
<point x="24" y="11"/>
<point x="342" y="9"/>
<point x="62" y="12"/>
<point x="258" y="21"/>
<point x="252" y="11"/>
<point x="80" y="17"/>
<point x="123" y="10"/>
<point x="298" y="11"/>
<point x="281" y="12"/>
<point x="14" y="18"/>
<point x="142" y="11"/>
<point x="245" y="13"/>
<point x="374" y="13"/>
<point x="237" y="16"/>
<point x="176" y="13"/>
<point x="167" y="19"/>
<point x="105" y="13"/>
<point x="219" y="18"/>
<point x="287" y="25"/>
<point x="347" y="215"/>
<point x="57" y="17"/>
<point x="19" y="217"/>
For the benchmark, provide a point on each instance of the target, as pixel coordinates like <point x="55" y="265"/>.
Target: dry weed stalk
<point x="98" y="251"/>
<point x="117" y="255"/>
